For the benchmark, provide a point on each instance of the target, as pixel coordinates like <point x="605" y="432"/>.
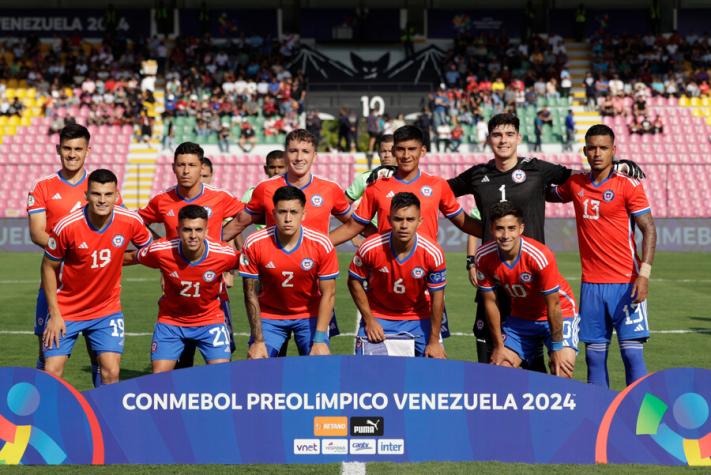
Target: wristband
<point x="556" y="345"/>
<point x="645" y="270"/>
<point x="471" y="262"/>
<point x="320" y="337"/>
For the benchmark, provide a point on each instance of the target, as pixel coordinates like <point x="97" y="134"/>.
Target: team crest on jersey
<point x="118" y="240"/>
<point x="30" y="200"/>
<point x="418" y="272"/>
<point x="608" y="195"/>
<point x="244" y="260"/>
<point x="52" y="244"/>
<point x="317" y="200"/>
<point x="519" y="176"/>
<point x="479" y="275"/>
<point x="307" y="263"/>
<point x="209" y="276"/>
<point x="426" y="191"/>
<point x="209" y="211"/>
<point x="357" y="261"/>
<point x="526" y="277"/>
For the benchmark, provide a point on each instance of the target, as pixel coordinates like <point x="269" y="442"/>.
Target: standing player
<point x="51" y="199"/>
<point x="297" y="268"/>
<point x="165" y="206"/>
<point x="615" y="282"/>
<point x="406" y="275"/>
<point x="275" y="164"/>
<point x="385" y="153"/>
<point x="88" y="246"/>
<point x="189" y="310"/>
<point x="542" y="305"/>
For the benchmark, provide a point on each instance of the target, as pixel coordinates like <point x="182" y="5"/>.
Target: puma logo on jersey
<point x="170" y="213"/>
<point x="485" y="179"/>
<point x="174" y="274"/>
<point x="384" y="270"/>
<point x="270" y="265"/>
<point x="83" y="245"/>
<point x="390" y="194"/>
<point x="57" y="196"/>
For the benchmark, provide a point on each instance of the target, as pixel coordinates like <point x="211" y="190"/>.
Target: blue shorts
<point x="41" y="312"/>
<point x="525" y="336"/>
<point x="213" y="341"/>
<point x="105" y="335"/>
<point x="276" y="332"/>
<point x="333" y="329"/>
<point x="225" y="305"/>
<point x="607" y="306"/>
<point x="419" y="329"/>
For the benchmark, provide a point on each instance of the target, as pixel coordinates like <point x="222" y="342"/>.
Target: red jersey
<point x="90" y="277"/>
<point x="433" y="191"/>
<point x="532" y="275"/>
<point x="165" y="206"/>
<point x="289" y="280"/>
<point x="399" y="290"/>
<point x="56" y="197"/>
<point x="604" y="216"/>
<point x="323" y="199"/>
<point x="191" y="290"/>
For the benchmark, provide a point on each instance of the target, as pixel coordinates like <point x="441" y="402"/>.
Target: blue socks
<point x="596" y="359"/>
<point x="96" y="375"/>
<point x="633" y="357"/>
<point x="40" y="363"/>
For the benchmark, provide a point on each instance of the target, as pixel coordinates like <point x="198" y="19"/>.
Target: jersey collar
<point x="598" y="185"/>
<point x="407" y="182"/>
<point x="311" y="179"/>
<point x="91" y="226"/>
<point x="202" y="258"/>
<point x="392" y="249"/>
<point x="281" y="248"/>
<point x="64" y="180"/>
<point x="189" y="200"/>
<point x="518" y="257"/>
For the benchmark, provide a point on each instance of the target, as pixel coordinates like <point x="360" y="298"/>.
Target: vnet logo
<point x="307" y="446"/>
<point x="391" y="446"/>
<point x="362" y="446"/>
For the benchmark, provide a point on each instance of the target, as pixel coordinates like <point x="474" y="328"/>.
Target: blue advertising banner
<point x="450" y="23"/>
<point x="59" y="22"/>
<point x="346" y="408"/>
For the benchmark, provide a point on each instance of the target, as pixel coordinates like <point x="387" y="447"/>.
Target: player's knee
<point x="110" y="373"/>
<point x="54" y="366"/>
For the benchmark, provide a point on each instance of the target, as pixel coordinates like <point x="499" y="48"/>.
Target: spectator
<point x="169" y="135"/>
<point x="444" y="137"/>
<point x="538" y="132"/>
<point x="374" y="127"/>
<point x="247" y="138"/>
<point x="223" y="139"/>
<point x="457" y="135"/>
<point x="482" y="132"/>
<point x="569" y="132"/>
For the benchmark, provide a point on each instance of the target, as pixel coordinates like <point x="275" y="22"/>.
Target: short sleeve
<point x="230" y="261"/>
<point x="367" y="207"/>
<point x="256" y="202"/>
<point x="448" y="204"/>
<point x="148" y="255"/>
<point x="141" y="236"/>
<point x="341" y="205"/>
<point x="460" y="184"/>
<point x="485" y="281"/>
<point x="563" y="191"/>
<point x="328" y="268"/>
<point x="437" y="277"/>
<point x="636" y="199"/>
<point x="36" y="200"/>
<point x="554" y="173"/>
<point x="232" y="206"/>
<point x="549" y="277"/>
<point x="248" y="267"/>
<point x="358" y="268"/>
<point x="357" y="188"/>
<point x="56" y="247"/>
<point x="151" y="213"/>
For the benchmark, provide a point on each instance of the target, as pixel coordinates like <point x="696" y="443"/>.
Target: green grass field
<point x="679" y="316"/>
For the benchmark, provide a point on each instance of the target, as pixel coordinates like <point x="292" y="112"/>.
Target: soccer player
<point x="615" y="281"/>
<point x="275" y="164"/>
<point x="51" y="199"/>
<point x="297" y="268"/>
<point x="385" y="153"/>
<point x="189" y="310"/>
<point x="542" y="304"/>
<point x="406" y="276"/>
<point x="88" y="246"/>
<point x="165" y="206"/>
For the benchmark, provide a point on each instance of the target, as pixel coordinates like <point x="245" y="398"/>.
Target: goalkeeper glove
<point x="629" y="168"/>
<point x="383" y="171"/>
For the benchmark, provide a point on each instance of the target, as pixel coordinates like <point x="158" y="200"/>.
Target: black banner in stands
<point x="56" y="22"/>
<point x="225" y="23"/>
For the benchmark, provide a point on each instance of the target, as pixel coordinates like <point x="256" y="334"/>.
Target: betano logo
<point x="330" y="426"/>
<point x="307" y="446"/>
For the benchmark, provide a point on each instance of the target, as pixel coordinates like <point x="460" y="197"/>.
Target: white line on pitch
<point x="36" y="282"/>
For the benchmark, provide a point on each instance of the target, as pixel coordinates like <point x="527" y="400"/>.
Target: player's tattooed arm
<point x="434" y="348"/>
<point x="325" y="312"/>
<point x="373" y="330"/>
<point x="55" y="328"/>
<point x="645" y="222"/>
<point x="346" y="232"/>
<point x="237" y="225"/>
<point x="38" y="234"/>
<point x="468" y="224"/>
<point x="251" y="302"/>
<point x="561" y="363"/>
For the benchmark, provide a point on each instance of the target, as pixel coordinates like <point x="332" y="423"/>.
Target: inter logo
<point x="418" y="272"/>
<point x="209" y="276"/>
<point x="317" y="200"/>
<point x="426" y="191"/>
<point x="608" y="195"/>
<point x="307" y="263"/>
<point x="518" y="176"/>
<point x="118" y="240"/>
<point x="526" y="277"/>
<point x="367" y="426"/>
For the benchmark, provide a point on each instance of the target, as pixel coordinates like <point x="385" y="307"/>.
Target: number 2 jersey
<point x="604" y="215"/>
<point x="399" y="289"/>
<point x="289" y="279"/>
<point x="533" y="274"/>
<point x="89" y="284"/>
<point x="191" y="290"/>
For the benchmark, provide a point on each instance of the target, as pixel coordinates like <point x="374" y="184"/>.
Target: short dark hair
<point x="189" y="148"/>
<point x="207" y="162"/>
<point x="503" y="119"/>
<point x="274" y="155"/>
<point x="102" y="176"/>
<point x="408" y="132"/>
<point x="600" y="129"/>
<point x="504" y="208"/>
<point x="300" y="135"/>
<point x="74" y="131"/>
<point x="404" y="199"/>
<point x="192" y="212"/>
<point x="288" y="193"/>
<point x="386" y="138"/>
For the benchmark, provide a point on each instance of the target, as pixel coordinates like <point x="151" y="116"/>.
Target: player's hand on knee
<point x="640" y="288"/>
<point x="257" y="350"/>
<point x="498" y="355"/>
<point x="375" y="332"/>
<point x="562" y="362"/>
<point x="320" y="349"/>
<point x="435" y="350"/>
<point x="54" y="331"/>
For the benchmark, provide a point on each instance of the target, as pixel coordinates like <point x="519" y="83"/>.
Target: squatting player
<point x="406" y="276"/>
<point x="542" y="303"/>
<point x="615" y="281"/>
<point x="297" y="268"/>
<point x="189" y="310"/>
<point x="89" y="245"/>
